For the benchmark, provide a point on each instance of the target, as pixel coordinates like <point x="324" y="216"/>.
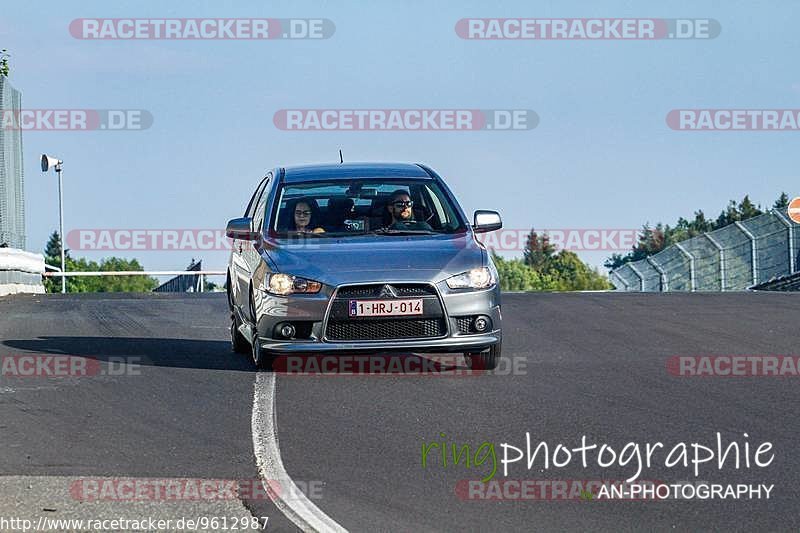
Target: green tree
<point x="538" y="250"/>
<point x="615" y="261"/>
<point x="542" y="268"/>
<point x="748" y="210"/>
<point x="515" y="275"/>
<point x="52" y="253"/>
<point x="52" y="256"/>
<point x="653" y="240"/>
<point x="116" y="283"/>
<point x="737" y="212"/>
<point x="4" y="68"/>
<point x="569" y="273"/>
<point x="782" y="202"/>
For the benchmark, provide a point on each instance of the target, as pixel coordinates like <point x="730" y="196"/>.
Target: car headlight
<point x="477" y="278"/>
<point x="285" y="284"/>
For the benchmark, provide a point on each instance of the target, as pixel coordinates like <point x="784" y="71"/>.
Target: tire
<point x="230" y="294"/>
<point x="486" y="360"/>
<point x="239" y="343"/>
<point x="261" y="358"/>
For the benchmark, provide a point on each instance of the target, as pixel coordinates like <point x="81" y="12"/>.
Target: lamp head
<point x="49" y="162"/>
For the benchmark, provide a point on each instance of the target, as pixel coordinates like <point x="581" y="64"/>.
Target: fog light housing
<point x="286" y="331"/>
<point x="482" y="323"/>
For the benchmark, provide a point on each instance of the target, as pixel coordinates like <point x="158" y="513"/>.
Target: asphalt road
<point x="589" y="364"/>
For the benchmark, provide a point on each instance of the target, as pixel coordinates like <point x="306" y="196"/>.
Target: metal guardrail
<point x="20" y="272"/>
<point x="137" y="273"/>
<point x="179" y="273"/>
<point x="736" y="257"/>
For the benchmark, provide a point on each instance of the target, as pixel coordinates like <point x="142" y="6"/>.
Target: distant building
<point x="12" y="187"/>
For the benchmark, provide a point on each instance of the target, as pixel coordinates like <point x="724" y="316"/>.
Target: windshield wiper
<point x="389" y="231"/>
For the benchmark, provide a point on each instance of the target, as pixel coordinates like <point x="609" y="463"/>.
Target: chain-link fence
<point x="735" y="257"/>
<point x="12" y="194"/>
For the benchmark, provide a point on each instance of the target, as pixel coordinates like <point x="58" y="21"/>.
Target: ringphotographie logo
<point x="734" y="119"/>
<point x="494" y="458"/>
<point x="586" y="28"/>
<point x="211" y="29"/>
<point x="405" y="119"/>
<point x="75" y="119"/>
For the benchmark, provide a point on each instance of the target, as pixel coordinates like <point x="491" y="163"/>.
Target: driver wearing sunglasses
<point x="400" y="207"/>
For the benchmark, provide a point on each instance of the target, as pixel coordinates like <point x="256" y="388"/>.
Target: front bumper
<point x="315" y="309"/>
<point x="464" y="343"/>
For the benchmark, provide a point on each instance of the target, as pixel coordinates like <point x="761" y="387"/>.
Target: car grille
<point x="430" y="324"/>
<point x="464" y="324"/>
<point x="386" y="329"/>
<point x="374" y="291"/>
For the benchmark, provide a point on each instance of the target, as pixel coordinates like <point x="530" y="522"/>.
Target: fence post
<point x="790" y="227"/>
<point x="639" y="274"/>
<point x="721" y="261"/>
<point x="621" y="279"/>
<point x="680" y="247"/>
<point x="754" y="257"/>
<point x="664" y="280"/>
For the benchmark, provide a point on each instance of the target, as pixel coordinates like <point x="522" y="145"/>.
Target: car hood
<point x="376" y="258"/>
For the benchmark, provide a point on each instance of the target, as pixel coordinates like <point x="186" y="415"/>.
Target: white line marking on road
<point x="297" y="507"/>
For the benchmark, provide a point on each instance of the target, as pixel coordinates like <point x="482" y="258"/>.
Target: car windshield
<point x="365" y="207"/>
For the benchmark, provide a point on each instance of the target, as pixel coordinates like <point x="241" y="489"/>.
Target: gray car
<point x="361" y="258"/>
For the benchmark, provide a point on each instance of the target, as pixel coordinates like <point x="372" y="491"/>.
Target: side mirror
<point x="242" y="229"/>
<point x="485" y="221"/>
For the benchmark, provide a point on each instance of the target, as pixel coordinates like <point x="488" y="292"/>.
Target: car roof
<point x="346" y="171"/>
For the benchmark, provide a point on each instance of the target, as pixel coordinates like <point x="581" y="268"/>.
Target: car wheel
<point x="486" y="360"/>
<point x="230" y="294"/>
<point x="238" y="342"/>
<point x="261" y="357"/>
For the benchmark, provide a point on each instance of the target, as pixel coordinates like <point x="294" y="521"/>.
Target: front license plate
<point x="385" y="307"/>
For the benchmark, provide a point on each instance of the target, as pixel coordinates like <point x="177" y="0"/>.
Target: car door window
<point x="261" y="206"/>
<point x="256" y="195"/>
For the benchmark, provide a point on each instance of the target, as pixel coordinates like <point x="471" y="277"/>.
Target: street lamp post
<point x="55" y="163"/>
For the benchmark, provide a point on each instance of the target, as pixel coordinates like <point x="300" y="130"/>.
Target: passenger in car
<point x="306" y="214"/>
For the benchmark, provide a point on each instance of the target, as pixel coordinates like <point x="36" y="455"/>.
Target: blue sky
<point x="602" y="155"/>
